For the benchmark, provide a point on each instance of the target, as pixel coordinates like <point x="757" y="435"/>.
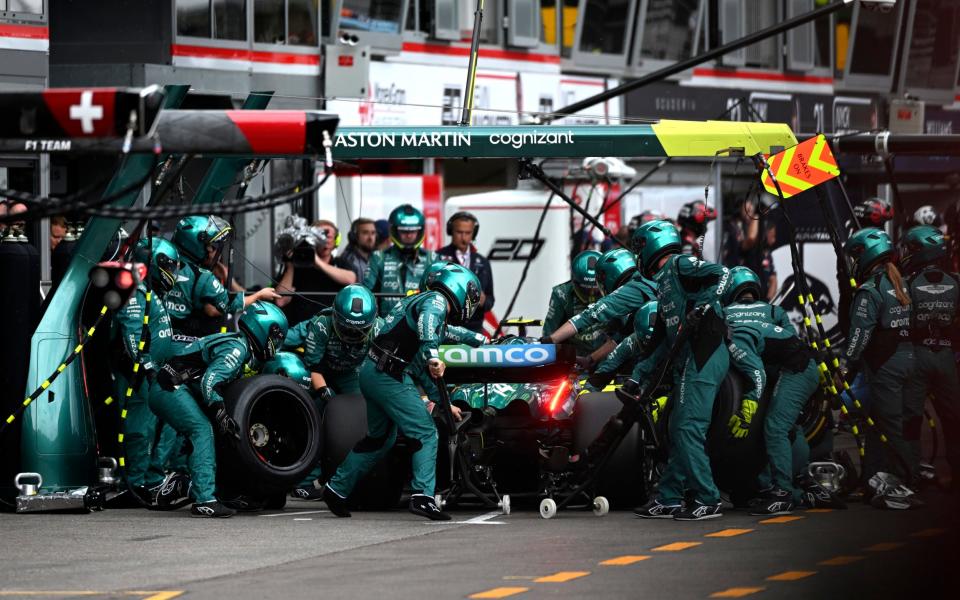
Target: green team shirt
<point x="194" y="288"/>
<point x="224" y="355"/>
<point x="683" y="283"/>
<point x="396" y="272"/>
<point x="753" y="328"/>
<point x="325" y="351"/>
<point x="618" y="307"/>
<point x="129" y="323"/>
<point x="415" y="326"/>
<point x="875" y="307"/>
<point x="564" y="305"/>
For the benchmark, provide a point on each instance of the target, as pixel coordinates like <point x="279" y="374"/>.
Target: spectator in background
<point x="324" y="276"/>
<point x="58" y="230"/>
<point x="14" y="228"/>
<point x="462" y="228"/>
<point x="362" y="241"/>
<point x="383" y="233"/>
<point x="4" y="207"/>
<point x="744" y="246"/>
<point x="693" y="220"/>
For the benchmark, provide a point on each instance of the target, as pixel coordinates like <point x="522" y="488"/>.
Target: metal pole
<point x="467" y="113"/>
<point x="691" y="62"/>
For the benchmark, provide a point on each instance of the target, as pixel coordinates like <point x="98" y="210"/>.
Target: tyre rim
<point x="279" y="433"/>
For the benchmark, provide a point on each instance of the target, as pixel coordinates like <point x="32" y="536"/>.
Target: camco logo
<point x="519" y="355"/>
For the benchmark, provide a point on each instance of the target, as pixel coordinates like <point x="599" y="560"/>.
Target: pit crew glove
<point x="696" y="315"/>
<point x="324" y="393"/>
<point x="546" y="340"/>
<point x="585" y="362"/>
<point x="740" y="422"/>
<point x="658" y="406"/>
<point x="228" y="426"/>
<point x="168" y="378"/>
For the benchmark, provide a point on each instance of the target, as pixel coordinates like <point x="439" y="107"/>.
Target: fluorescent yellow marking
<point x="624" y="560"/>
<point x="78" y="349"/>
<point x="738" y="592"/>
<point x="500" y="592"/>
<point x="45" y="384"/>
<point x="123" y="462"/>
<point x="146" y="319"/>
<point x="141" y="345"/>
<point x="223" y="329"/>
<point x="929" y="532"/>
<point x="562" y="577"/>
<point x="806" y="321"/>
<point x="839" y="561"/>
<point x="108" y="401"/>
<point x="120" y="438"/>
<point x="884" y="547"/>
<point x="817" y="511"/>
<point x="791" y="575"/>
<point x="129" y="392"/>
<point x="103" y="310"/>
<point x="91" y="330"/>
<point x="883" y="438"/>
<point x="783" y="519"/>
<point x="676" y="546"/>
<point x="123" y="414"/>
<point x="802" y="301"/>
<point x="853" y="282"/>
<point x="136" y="367"/>
<point x="61" y="368"/>
<point x="149" y="295"/>
<point x="27" y="401"/>
<point x="690" y="138"/>
<point x="724" y="533"/>
<point x="10" y="419"/>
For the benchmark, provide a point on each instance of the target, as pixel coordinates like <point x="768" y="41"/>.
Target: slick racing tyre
<point x="280" y="436"/>
<point x="345" y="425"/>
<point x="736" y="463"/>
<point x="621" y="480"/>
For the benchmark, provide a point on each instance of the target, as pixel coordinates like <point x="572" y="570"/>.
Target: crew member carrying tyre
<point x="399" y="268"/>
<point x="190" y="385"/>
<point x="337" y="341"/>
<point x="935" y="292"/>
<point x="879" y="343"/>
<point x="572" y="298"/>
<point x="761" y="337"/>
<point x="140" y="425"/>
<point x="624" y="291"/>
<point x="415" y="326"/>
<point x="198" y="301"/>
<point x="689" y="292"/>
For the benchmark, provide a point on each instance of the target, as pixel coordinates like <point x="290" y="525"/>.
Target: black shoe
<point x="212" y="509"/>
<point x="174" y="492"/>
<point x="426" y="506"/>
<point x="698" y="512"/>
<point x="310" y="493"/>
<point x="655" y="510"/>
<point x="772" y="502"/>
<point x="335" y="502"/>
<point x="242" y="503"/>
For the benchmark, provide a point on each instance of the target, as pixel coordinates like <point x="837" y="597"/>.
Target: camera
<point x="298" y="241"/>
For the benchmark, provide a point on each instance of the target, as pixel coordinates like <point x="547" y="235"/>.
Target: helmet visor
<point x="351" y="335"/>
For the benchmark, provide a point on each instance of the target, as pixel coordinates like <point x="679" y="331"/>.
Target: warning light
<point x="555" y="402"/>
<point x="124" y="280"/>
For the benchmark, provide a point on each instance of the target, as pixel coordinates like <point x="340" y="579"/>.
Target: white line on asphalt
<point x="294" y="514"/>
<point x="304" y="519"/>
<point x="479" y="520"/>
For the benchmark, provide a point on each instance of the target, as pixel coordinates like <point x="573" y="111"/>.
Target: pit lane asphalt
<point x="302" y="553"/>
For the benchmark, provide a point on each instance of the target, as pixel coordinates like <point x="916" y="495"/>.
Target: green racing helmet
<point x="289" y="365"/>
<point x="644" y="320"/>
<point x="406" y="218"/>
<point x="742" y="279"/>
<point x="921" y="246"/>
<point x="265" y="326"/>
<point x="866" y="248"/>
<point x="461" y="288"/>
<point x="354" y="313"/>
<point x="614" y="268"/>
<point x="164" y="262"/>
<point x="584" y="275"/>
<point x="194" y="234"/>
<point x="652" y="241"/>
<point x="430" y="272"/>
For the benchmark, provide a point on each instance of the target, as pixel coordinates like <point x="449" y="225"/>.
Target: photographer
<point x="361" y="242"/>
<point x="307" y="254"/>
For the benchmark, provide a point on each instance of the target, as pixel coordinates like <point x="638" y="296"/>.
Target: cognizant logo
<point x="518" y="355"/>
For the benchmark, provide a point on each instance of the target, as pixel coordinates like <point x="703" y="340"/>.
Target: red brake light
<point x="555" y="402"/>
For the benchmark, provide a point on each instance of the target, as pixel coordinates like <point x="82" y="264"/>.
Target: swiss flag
<point x="82" y="112"/>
